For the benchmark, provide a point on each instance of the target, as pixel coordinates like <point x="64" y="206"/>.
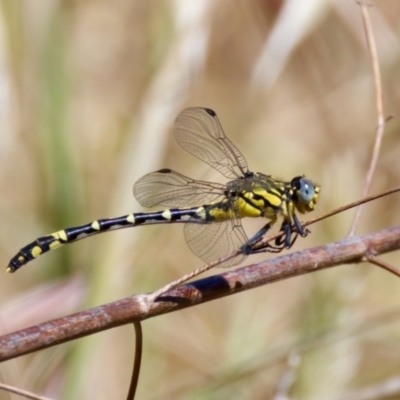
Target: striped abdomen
<point x="57" y="239"/>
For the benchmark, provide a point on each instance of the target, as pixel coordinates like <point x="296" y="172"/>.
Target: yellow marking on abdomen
<point x="201" y="212"/>
<point x="167" y="215"/>
<point x="60" y="235"/>
<point x="186" y="218"/>
<point x="96" y="225"/>
<point x="131" y="218"/>
<point x="220" y="214"/>
<point x="55" y="244"/>
<point x="36" y="251"/>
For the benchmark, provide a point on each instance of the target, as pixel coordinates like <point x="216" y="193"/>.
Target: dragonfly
<point x="212" y="212"/>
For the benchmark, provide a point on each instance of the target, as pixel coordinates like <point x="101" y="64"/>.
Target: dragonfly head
<point x="305" y="194"/>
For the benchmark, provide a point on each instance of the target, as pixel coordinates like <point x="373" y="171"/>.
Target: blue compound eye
<point x="305" y="191"/>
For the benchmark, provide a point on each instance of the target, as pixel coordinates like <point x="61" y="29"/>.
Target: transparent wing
<point x="170" y="189"/>
<point x="216" y="239"/>
<point x="199" y="132"/>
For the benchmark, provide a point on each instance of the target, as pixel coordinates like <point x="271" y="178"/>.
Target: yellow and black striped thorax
<point x="260" y="195"/>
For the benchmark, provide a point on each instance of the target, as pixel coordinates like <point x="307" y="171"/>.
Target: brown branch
<point x="380" y="127"/>
<point x="139" y="308"/>
<point x="383" y="264"/>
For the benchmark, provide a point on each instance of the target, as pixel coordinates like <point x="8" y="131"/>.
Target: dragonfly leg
<point x="286" y="241"/>
<point x="303" y="232"/>
<point x="247" y="248"/>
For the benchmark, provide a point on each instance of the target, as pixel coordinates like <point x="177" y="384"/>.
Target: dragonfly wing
<point x="213" y="240"/>
<point x="199" y="132"/>
<point x="170" y="189"/>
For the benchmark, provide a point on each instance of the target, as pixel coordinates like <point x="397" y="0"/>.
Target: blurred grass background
<point x="89" y="91"/>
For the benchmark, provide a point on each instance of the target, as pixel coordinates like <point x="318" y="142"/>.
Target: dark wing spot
<point x="211" y="112"/>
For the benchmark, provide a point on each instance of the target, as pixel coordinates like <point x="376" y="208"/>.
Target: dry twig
<point x="139" y="308"/>
<point x="380" y="127"/>
<point x="137" y="360"/>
